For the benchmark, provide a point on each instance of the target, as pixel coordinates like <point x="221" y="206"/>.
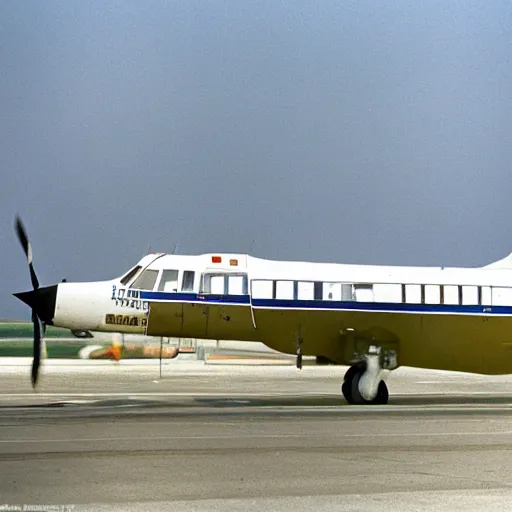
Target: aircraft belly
<point x="449" y="342"/>
<point x="319" y="330"/>
<point x="461" y="343"/>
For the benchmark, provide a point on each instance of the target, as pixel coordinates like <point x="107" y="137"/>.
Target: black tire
<point x="382" y="394"/>
<point x="353" y="396"/>
<point x="355" y="368"/>
<point x="345" y="389"/>
<point x="354" y="390"/>
<point x="347" y="380"/>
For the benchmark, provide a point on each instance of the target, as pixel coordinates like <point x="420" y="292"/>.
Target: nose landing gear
<point x="363" y="383"/>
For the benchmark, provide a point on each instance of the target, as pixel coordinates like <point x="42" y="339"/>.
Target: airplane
<point x="372" y="318"/>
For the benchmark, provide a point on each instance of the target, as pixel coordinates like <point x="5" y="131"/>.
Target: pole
<point x="161" y="348"/>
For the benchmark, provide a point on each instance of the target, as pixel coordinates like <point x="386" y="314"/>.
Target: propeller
<point x="27" y="248"/>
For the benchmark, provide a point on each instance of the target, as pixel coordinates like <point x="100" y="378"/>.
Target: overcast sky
<point x="356" y="132"/>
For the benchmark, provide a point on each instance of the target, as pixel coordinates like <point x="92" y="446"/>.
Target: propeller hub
<point x="42" y="301"/>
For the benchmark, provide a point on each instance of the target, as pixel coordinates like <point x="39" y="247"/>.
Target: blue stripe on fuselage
<point x="326" y="304"/>
<point x="380" y="306"/>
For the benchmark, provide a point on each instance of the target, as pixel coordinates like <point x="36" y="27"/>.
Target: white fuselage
<point x="417" y="289"/>
<point x="235" y="296"/>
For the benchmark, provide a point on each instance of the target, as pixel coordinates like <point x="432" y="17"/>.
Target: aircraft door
<point x="237" y="284"/>
<point x="217" y="285"/>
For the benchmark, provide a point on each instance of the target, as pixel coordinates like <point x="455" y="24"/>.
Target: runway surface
<point x="108" y="436"/>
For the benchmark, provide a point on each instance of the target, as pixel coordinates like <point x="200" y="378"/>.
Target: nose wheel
<point x="353" y="389"/>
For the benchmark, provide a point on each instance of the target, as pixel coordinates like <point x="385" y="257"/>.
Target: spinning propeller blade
<point x="25" y="243"/>
<point x="32" y="301"/>
<point x="36" y="361"/>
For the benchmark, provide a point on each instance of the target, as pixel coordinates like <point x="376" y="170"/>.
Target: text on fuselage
<point x="128" y="298"/>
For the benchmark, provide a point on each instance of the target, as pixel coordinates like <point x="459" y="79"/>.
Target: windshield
<point x="130" y="274"/>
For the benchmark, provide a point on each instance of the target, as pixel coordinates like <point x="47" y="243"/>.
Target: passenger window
<point x="262" y="289"/>
<point x="486" y="296"/>
<point x="451" y="294"/>
<point x="187" y="284"/>
<point x="347" y="292"/>
<point x="169" y="281"/>
<point x="364" y="292"/>
<point x="387" y="292"/>
<point x="413" y="293"/>
<point x="331" y="291"/>
<point x="432" y="294"/>
<point x="146" y="281"/>
<point x="129" y="275"/>
<point x="501" y="296"/>
<point x="284" y="290"/>
<point x="305" y="290"/>
<point x="470" y="295"/>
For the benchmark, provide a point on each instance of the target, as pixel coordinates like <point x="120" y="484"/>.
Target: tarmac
<point x="246" y="435"/>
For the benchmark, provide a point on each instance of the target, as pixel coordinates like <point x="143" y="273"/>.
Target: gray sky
<point x="356" y="132"/>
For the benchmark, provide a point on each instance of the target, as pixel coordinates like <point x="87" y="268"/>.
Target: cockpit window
<point x="169" y="281"/>
<point x="187" y="284"/>
<point x="146" y="281"/>
<point x="129" y="275"/>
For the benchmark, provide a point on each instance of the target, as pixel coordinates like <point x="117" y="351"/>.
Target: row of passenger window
<point x="381" y="292"/>
<point x="236" y="284"/>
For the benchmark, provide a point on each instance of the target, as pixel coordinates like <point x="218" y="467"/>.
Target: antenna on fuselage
<point x="176" y="245"/>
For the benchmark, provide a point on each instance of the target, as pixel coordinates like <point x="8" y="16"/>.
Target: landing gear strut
<point x="363" y="383"/>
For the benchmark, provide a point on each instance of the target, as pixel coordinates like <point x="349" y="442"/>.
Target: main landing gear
<point x="364" y="381"/>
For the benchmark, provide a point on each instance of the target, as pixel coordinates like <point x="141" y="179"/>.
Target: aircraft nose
<point x="42" y="301"/>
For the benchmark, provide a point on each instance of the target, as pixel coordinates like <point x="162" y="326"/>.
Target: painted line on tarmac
<point x="199" y="394"/>
<point x="228" y="394"/>
<point x="251" y="436"/>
